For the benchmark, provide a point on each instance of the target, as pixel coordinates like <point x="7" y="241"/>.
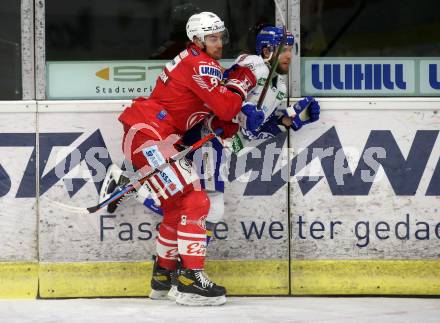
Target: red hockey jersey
<point x="187" y="90"/>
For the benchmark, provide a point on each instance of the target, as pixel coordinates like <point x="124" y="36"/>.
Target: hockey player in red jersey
<point x="187" y="91"/>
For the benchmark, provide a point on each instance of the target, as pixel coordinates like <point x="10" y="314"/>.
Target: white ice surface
<point x="237" y="309"/>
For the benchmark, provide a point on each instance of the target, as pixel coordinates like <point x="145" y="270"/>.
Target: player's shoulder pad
<point x="255" y="63"/>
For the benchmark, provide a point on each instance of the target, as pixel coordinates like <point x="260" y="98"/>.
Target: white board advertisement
<point x="18" y="206"/>
<point x="366" y="185"/>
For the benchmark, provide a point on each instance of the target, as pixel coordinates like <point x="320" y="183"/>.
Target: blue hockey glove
<point x="250" y="118"/>
<point x="303" y="112"/>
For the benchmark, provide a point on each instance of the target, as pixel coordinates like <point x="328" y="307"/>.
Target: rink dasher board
<point x="18" y="229"/>
<point x="58" y="221"/>
<point x="380" y="236"/>
<point x="373" y="190"/>
<point x="17" y="125"/>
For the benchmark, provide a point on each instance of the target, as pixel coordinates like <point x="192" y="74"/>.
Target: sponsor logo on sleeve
<point x="194" y="52"/>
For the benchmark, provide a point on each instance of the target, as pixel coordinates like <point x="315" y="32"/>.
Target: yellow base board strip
<point x="251" y="277"/>
<point x="241" y="277"/>
<point x="365" y="277"/>
<point x="95" y="279"/>
<point x="18" y="279"/>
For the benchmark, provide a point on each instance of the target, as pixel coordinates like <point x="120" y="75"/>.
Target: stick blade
<point x="93" y="209"/>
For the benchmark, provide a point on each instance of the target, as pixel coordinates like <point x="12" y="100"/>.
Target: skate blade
<point x="159" y="294"/>
<point x="173" y="293"/>
<point x="198" y="300"/>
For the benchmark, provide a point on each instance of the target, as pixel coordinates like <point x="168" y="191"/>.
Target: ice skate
<point x="160" y="282"/>
<point x="173" y="292"/>
<point x="196" y="289"/>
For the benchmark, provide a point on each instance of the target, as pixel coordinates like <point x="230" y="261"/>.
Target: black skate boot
<point x="195" y="288"/>
<point x="160" y="282"/>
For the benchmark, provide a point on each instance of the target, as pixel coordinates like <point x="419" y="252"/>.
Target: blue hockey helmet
<point x="271" y="36"/>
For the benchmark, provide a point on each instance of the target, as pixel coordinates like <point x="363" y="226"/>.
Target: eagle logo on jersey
<point x="202" y="83"/>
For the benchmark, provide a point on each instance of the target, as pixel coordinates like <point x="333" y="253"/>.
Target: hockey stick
<point x="272" y="70"/>
<point x="134" y="186"/>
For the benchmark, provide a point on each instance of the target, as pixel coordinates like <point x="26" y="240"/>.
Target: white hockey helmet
<point x="205" y="23"/>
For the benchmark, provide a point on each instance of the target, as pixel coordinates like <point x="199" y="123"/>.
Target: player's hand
<point x="239" y="79"/>
<point x="305" y="111"/>
<point x="250" y="118"/>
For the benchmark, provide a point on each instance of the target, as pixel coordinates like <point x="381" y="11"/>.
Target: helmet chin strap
<point x="269" y="63"/>
<point x="267" y="60"/>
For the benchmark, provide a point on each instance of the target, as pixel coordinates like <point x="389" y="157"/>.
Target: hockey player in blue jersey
<point x="278" y="119"/>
